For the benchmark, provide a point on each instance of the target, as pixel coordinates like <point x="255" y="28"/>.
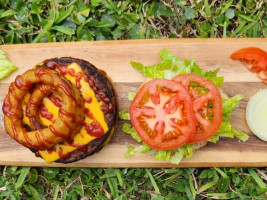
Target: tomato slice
<point x="207" y="104"/>
<point x="254" y="58"/>
<point x="162" y="114"/>
<point x="263" y="75"/>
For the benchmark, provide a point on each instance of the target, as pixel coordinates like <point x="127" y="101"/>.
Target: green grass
<point x="53" y="21"/>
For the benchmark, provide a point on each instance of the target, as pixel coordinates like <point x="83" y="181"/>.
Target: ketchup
<point x="88" y="100"/>
<point x="94" y="129"/>
<point x="56" y="133"/>
<point x="88" y="113"/>
<point x="24" y="86"/>
<point x="56" y="101"/>
<point x="12" y="90"/>
<point x="40" y="142"/>
<point x="63" y="155"/>
<point x="45" y="114"/>
<point x="77" y="145"/>
<point x="51" y="150"/>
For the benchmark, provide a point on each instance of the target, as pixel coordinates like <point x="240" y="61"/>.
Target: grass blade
<point x="8" y="13"/>
<point x="221" y="172"/>
<point x="56" y="192"/>
<point x="207" y="9"/>
<point x="64" y="15"/>
<point x="35" y="193"/>
<point x="256" y="178"/>
<point x="46" y="28"/>
<point x="245" y="17"/>
<point x="21" y="179"/>
<point x="63" y="29"/>
<point x="226" y="6"/>
<point x="224" y="29"/>
<point x="207" y="186"/>
<point x="153" y="182"/>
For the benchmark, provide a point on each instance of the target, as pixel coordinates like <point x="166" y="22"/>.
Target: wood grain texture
<point x="114" y="57"/>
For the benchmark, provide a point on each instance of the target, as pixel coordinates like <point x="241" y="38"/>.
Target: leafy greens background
<point x="61" y="20"/>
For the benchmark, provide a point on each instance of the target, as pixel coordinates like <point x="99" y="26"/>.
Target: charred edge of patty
<point x="102" y="83"/>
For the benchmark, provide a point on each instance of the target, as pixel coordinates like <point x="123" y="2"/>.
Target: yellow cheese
<point x="80" y="138"/>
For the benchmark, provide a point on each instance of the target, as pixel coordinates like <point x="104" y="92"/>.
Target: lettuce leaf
<point x="6" y="67"/>
<point x="123" y="114"/>
<point x="129" y="129"/>
<point x="163" y="155"/>
<point x="185" y="151"/>
<point x="131" y="95"/>
<point x="171" y="66"/>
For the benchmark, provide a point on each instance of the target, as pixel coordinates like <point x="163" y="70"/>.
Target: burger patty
<point x="104" y="85"/>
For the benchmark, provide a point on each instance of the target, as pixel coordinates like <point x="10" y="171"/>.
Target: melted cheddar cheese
<point x="80" y="138"/>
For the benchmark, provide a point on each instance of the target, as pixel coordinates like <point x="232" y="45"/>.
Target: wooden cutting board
<point x="114" y="57"/>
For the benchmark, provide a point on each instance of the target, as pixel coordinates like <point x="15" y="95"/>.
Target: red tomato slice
<point x="263" y="75"/>
<point x="162" y="114"/>
<point x="207" y="103"/>
<point x="254" y="58"/>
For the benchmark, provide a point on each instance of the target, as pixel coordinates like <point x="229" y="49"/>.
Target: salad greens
<point x="169" y="67"/>
<point x="6" y="67"/>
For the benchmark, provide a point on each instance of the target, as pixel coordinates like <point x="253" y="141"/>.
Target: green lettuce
<point x="6" y="67"/>
<point x="169" y="67"/>
<point x="185" y="151"/>
<point x="129" y="129"/>
<point x="131" y="95"/>
<point x="123" y="114"/>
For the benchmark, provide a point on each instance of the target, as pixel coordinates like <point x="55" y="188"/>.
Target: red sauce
<point x="15" y="133"/>
<point x="86" y="77"/>
<point x="28" y="113"/>
<point x="43" y="88"/>
<point x="70" y="142"/>
<point x="63" y="120"/>
<point x="12" y="90"/>
<point x="88" y="113"/>
<point x="110" y="106"/>
<point x="94" y="129"/>
<point x="55" y="100"/>
<point x="43" y="72"/>
<point x="77" y="145"/>
<point x="66" y="91"/>
<point x="102" y="95"/>
<point x="51" y="64"/>
<point x="56" y="133"/>
<point x="68" y="114"/>
<point x="91" y="83"/>
<point x="79" y="77"/>
<point x="24" y="86"/>
<point x="44" y="138"/>
<point x="84" y="149"/>
<point x="95" y="89"/>
<point x="41" y="145"/>
<point x="37" y="154"/>
<point x="51" y="150"/>
<point x="36" y="103"/>
<point x="46" y="114"/>
<point x="104" y="109"/>
<point x="32" y="144"/>
<point x="103" y="72"/>
<point x="63" y="70"/>
<point x="88" y="100"/>
<point x="7" y="106"/>
<point x="63" y="155"/>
